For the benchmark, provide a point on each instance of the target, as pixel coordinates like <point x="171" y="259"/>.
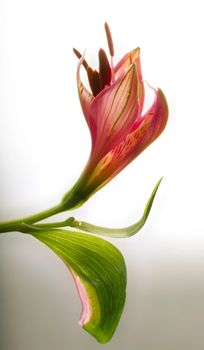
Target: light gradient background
<point x="44" y="144"/>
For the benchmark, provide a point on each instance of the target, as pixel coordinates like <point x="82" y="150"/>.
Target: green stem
<point x="68" y="222"/>
<point x="74" y="199"/>
<point x="15" y="225"/>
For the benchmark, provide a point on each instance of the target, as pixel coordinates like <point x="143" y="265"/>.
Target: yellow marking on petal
<point x="127" y="99"/>
<point x="134" y="54"/>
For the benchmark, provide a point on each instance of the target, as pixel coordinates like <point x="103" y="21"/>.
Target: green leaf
<point x="100" y="276"/>
<point x="118" y="232"/>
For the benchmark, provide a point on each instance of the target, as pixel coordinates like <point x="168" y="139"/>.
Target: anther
<point x="96" y="83"/>
<point x="104" y="69"/>
<point x="109" y="39"/>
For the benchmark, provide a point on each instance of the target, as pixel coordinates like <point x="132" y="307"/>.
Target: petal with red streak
<point x="115" y="110"/>
<point x="131" y="57"/>
<point x="145" y="131"/>
<point x="85" y="96"/>
<point x="126" y="61"/>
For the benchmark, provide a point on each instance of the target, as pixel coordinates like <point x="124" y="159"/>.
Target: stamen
<point x="90" y="77"/>
<point x="79" y="55"/>
<point x="94" y="81"/>
<point x="93" y="76"/>
<point x="104" y="69"/>
<point x="109" y="39"/>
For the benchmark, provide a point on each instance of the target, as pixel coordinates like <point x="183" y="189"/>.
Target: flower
<point x="113" y="109"/>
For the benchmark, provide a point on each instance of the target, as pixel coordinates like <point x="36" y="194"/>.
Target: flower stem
<point x="73" y="199"/>
<point x="15" y="225"/>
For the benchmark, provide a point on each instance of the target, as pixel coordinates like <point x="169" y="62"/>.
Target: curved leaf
<point x="118" y="232"/>
<point x="99" y="272"/>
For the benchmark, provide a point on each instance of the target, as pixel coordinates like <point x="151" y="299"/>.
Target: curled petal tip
<point x="81" y="57"/>
<point x="136" y="52"/>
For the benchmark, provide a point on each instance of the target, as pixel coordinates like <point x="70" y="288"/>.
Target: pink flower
<point x="113" y="109"/>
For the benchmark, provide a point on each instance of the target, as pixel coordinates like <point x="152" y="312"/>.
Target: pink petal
<point x="115" y="110"/>
<point x="146" y="130"/>
<point x="85" y="96"/>
<point x="124" y="63"/>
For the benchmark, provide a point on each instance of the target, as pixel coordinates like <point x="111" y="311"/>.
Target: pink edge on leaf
<point x="86" y="308"/>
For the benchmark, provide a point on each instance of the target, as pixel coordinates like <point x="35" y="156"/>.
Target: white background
<point x="44" y="145"/>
